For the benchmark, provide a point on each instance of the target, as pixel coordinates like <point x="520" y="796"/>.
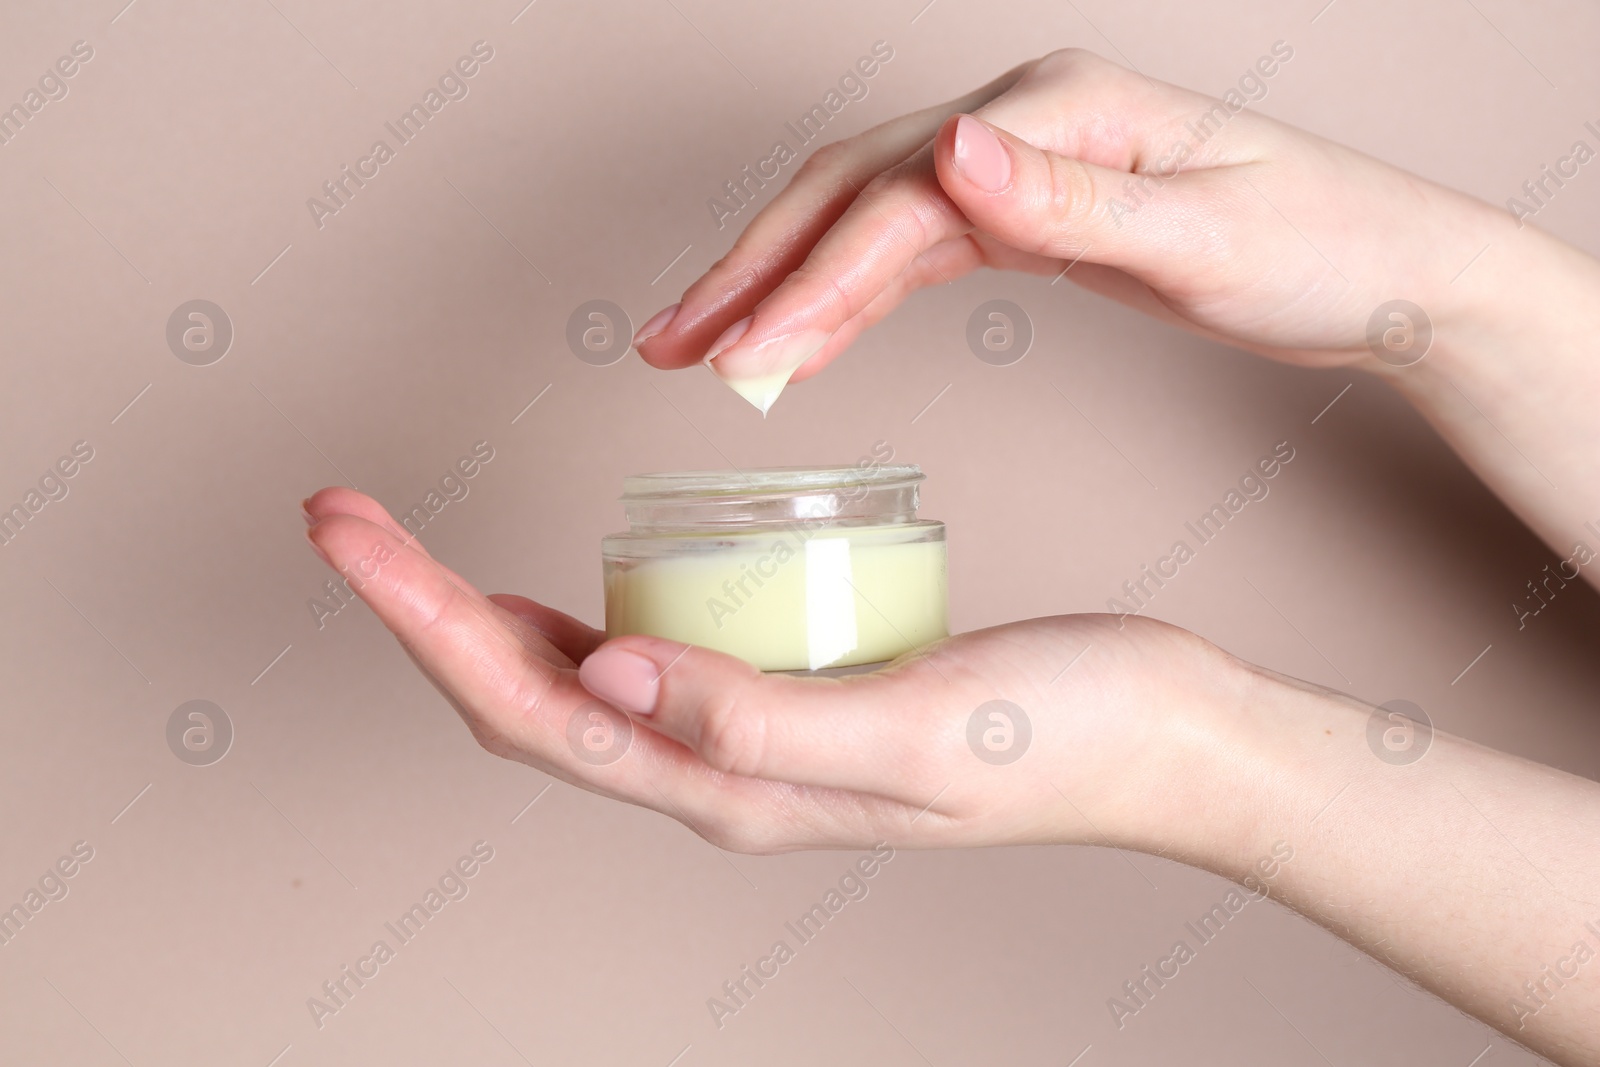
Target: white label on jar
<point x="830" y="601"/>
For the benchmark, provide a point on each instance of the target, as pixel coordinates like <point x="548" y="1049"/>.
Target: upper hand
<point x="1230" y="224"/>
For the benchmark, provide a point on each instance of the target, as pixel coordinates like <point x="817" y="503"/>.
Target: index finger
<point x="782" y="234"/>
<point x="522" y="705"/>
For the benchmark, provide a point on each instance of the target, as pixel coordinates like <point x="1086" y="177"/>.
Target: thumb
<point x="1052" y="205"/>
<point x="846" y="733"/>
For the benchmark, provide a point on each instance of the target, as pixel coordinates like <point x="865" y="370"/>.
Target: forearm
<point x="1475" y="873"/>
<point x="1512" y="381"/>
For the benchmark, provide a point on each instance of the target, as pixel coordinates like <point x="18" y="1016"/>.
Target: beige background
<point x="408" y="328"/>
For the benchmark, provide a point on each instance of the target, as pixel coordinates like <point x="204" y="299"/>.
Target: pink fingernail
<point x="317" y="548"/>
<point x="979" y="155"/>
<point x="730" y="337"/>
<point x="624" y="679"/>
<point x="658" y="322"/>
<point x="305" y="513"/>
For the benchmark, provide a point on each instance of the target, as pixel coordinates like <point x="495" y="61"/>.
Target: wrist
<point x="1510" y="380"/>
<point x="1198" y="792"/>
<point x="1260" y="758"/>
<point x="1504" y="294"/>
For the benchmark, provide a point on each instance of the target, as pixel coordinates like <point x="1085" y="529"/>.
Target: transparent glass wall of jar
<point x="789" y="568"/>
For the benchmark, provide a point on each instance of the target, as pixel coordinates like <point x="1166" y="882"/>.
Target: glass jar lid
<point x="772" y="496"/>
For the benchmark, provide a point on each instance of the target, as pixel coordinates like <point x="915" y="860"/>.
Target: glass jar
<point x="789" y="568"/>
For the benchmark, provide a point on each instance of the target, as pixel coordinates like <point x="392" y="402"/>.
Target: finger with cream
<point x="759" y="371"/>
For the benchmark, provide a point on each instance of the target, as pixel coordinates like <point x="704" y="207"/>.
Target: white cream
<point x="788" y="600"/>
<point x="762" y="391"/>
<point x="780" y="357"/>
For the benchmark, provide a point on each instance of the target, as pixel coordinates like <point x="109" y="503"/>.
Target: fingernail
<point x="305" y="512"/>
<point x="658" y="322"/>
<point x="316" y="547"/>
<point x="979" y="155"/>
<point x="730" y="337"/>
<point x="624" y="679"/>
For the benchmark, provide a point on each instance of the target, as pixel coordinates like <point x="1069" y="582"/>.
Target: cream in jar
<point x="788" y="568"/>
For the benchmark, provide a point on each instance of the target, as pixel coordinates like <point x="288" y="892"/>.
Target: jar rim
<point x="764" y="480"/>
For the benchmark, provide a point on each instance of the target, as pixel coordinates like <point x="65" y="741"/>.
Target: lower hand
<point x="1119" y="712"/>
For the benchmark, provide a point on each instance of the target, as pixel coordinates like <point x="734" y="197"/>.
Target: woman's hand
<point x="1230" y="224"/>
<point x="1227" y="224"/>
<point x="771" y="763"/>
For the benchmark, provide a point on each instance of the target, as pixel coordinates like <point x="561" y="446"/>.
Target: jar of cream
<point x="788" y="568"/>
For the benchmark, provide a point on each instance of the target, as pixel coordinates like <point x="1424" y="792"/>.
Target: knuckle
<point x="525" y="699"/>
<point x="897" y="216"/>
<point x="437" y="613"/>
<point x="828" y="159"/>
<point x="1070" y="196"/>
<point x="495" y="743"/>
<point x="733" y="735"/>
<point x="1082" y="69"/>
<point x="1064" y="61"/>
<point x="879" y="191"/>
<point x="740" y="270"/>
<point x="732" y="834"/>
<point x="433" y="617"/>
<point x="730" y="261"/>
<point x="1074" y="61"/>
<point x="895" y="202"/>
<point x="490" y="737"/>
<point x="825" y="290"/>
<point x="528" y="697"/>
